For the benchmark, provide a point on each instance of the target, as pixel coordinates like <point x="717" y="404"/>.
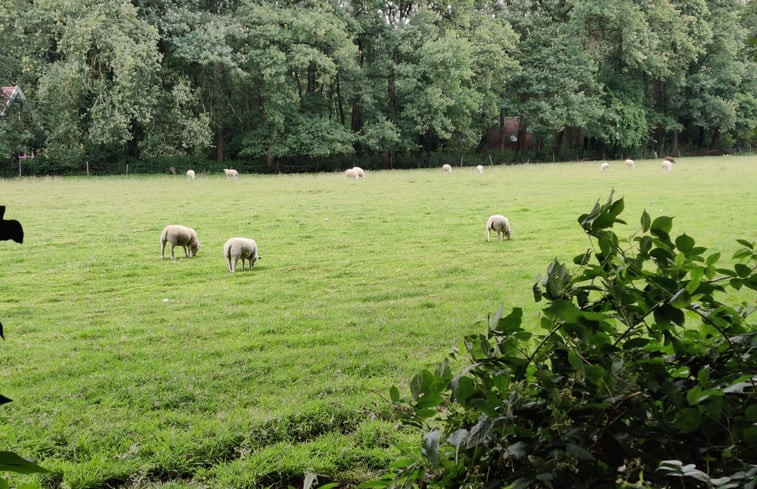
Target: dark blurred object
<point x="10" y="229"/>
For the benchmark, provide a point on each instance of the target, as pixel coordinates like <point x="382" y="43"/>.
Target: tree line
<point x="314" y="84"/>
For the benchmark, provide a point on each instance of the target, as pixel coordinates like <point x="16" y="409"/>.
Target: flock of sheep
<point x="667" y="164"/>
<point x="247" y="249"/>
<point x="233" y="250"/>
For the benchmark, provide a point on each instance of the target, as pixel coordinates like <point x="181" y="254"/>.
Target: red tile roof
<point x="7" y="96"/>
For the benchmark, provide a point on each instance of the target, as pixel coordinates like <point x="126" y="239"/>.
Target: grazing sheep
<point x="500" y="224"/>
<point x="604" y="166"/>
<point x="350" y="173"/>
<point x="231" y="173"/>
<point x="191" y="174"/>
<point x="359" y="172"/>
<point x="244" y="248"/>
<point x="182" y="236"/>
<point x="479" y="169"/>
<point x="447" y="168"/>
<point x="630" y="163"/>
<point x="667" y="165"/>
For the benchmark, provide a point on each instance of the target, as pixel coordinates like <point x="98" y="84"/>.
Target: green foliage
<point x="640" y="374"/>
<point x="137" y="371"/>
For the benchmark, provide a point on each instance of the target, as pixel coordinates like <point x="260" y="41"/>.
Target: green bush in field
<point x="639" y="376"/>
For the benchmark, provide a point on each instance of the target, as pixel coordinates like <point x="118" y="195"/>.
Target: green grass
<point x="131" y="371"/>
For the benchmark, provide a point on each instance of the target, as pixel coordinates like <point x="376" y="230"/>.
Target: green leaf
<point x="458" y="437"/>
<point x="462" y="388"/>
<point x="750" y="435"/>
<point x="428" y="401"/>
<point x="742" y="270"/>
<point x="516" y="450"/>
<point x="696" y="395"/>
<point x="661" y="226"/>
<point x="617" y="207"/>
<point x="430" y="448"/>
<point x="510" y="323"/>
<point x="688" y="420"/>
<point x="746" y="243"/>
<point x="575" y="361"/>
<point x="684" y="243"/>
<point x="479" y="432"/>
<point x="10" y="462"/>
<point x="394" y="394"/>
<point x="645" y="221"/>
<point x="578" y="452"/>
<point x="751" y="413"/>
<point x="712" y="259"/>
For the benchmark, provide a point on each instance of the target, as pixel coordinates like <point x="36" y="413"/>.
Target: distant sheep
<point x="500" y="224"/>
<point x="447" y="168"/>
<point x="479" y="169"/>
<point x="182" y="236"/>
<point x="359" y="172"/>
<point x="231" y="173"/>
<point x="350" y="173"/>
<point x="630" y="163"/>
<point x="191" y="174"/>
<point x="667" y="165"/>
<point x="244" y="248"/>
<point x="604" y="166"/>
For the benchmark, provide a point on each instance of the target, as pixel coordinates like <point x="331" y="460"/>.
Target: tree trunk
<point x="340" y="105"/>
<point x="660" y="136"/>
<point x="674" y="149"/>
<point x="715" y="139"/>
<point x="311" y="77"/>
<point x="558" y="143"/>
<point x="501" y="135"/>
<point x="219" y="144"/>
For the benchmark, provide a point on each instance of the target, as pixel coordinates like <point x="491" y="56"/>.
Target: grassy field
<point x="131" y="371"/>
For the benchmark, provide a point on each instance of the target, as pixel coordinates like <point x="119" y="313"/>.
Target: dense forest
<point x="309" y="85"/>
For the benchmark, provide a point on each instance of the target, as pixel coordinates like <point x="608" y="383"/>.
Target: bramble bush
<point x="640" y="374"/>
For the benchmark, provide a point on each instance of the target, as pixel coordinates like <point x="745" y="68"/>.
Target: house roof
<point x="8" y="95"/>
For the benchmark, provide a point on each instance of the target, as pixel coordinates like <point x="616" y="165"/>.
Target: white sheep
<point x="178" y="235"/>
<point x="630" y="163"/>
<point x="667" y="165"/>
<point x="500" y="224"/>
<point x="350" y="173"/>
<point x="231" y="173"/>
<point x="244" y="248"/>
<point x="447" y="168"/>
<point x="604" y="166"/>
<point x="359" y="172"/>
<point x="191" y="174"/>
<point x="479" y="169"/>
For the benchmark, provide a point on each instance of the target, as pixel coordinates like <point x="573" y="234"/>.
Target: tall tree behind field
<point x="99" y="79"/>
<point x="202" y="42"/>
<point x="437" y="72"/>
<point x="720" y="89"/>
<point x="298" y="63"/>
<point x="558" y="89"/>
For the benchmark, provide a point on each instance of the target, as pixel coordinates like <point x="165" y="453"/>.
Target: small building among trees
<point x="18" y="128"/>
<point x="8" y="95"/>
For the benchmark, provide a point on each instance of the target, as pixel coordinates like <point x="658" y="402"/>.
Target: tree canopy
<point x="373" y="80"/>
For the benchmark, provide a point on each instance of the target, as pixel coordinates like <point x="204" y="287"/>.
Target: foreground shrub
<point x="640" y="375"/>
